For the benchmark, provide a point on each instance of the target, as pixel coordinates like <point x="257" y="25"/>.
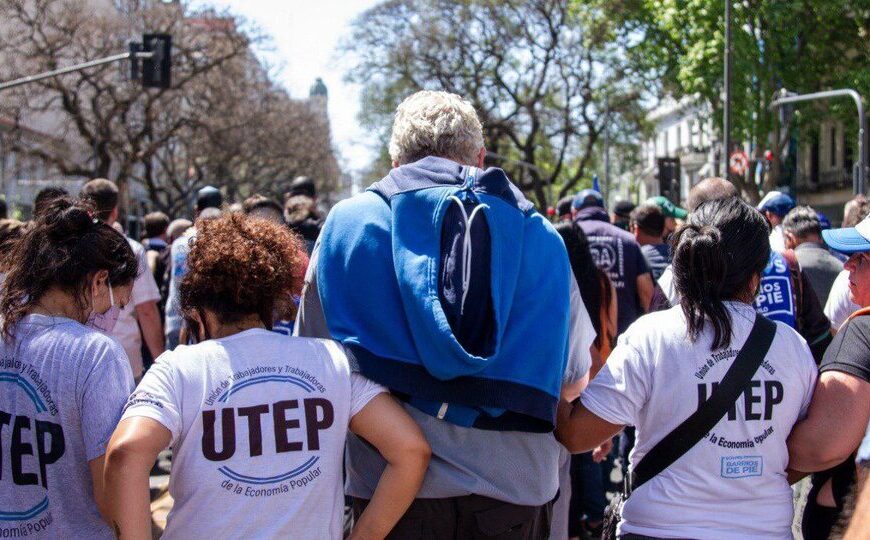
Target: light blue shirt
<point x="178" y="267"/>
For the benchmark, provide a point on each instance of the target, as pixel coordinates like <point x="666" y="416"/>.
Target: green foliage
<point x="545" y="76"/>
<point x="802" y="45"/>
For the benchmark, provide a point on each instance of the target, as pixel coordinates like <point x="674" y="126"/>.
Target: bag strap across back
<point x="695" y="427"/>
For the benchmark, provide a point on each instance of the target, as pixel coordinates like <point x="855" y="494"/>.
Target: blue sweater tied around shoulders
<point x="446" y="286"/>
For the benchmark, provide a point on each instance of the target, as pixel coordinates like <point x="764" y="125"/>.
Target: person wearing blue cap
<point x="775" y="205"/>
<point x="618" y="254"/>
<point x="826" y="441"/>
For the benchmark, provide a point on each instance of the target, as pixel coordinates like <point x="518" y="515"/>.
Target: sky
<point x="304" y="35"/>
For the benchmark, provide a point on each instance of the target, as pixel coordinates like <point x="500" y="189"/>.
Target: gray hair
<point x="177" y="228"/>
<point x="440" y="124"/>
<point x="803" y="222"/>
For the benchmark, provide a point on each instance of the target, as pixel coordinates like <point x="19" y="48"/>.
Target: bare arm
<point x="645" y="290"/>
<point x="579" y="430"/>
<point x="612" y="314"/>
<point x="152" y="330"/>
<point x="132" y="451"/>
<point x="384" y="424"/>
<point x="96" y="467"/>
<point x="834" y="425"/>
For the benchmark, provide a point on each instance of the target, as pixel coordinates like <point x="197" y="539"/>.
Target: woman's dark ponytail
<point x="64" y="248"/>
<point x="716" y="254"/>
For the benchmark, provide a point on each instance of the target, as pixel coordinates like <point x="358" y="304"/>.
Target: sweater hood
<point x="445" y="286"/>
<point x="435" y="202"/>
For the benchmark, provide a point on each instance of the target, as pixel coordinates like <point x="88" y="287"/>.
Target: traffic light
<point x="669" y="178"/>
<point x="156" y="71"/>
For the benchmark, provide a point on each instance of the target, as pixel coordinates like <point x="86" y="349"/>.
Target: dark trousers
<point x="468" y="518"/>
<point x="587" y="492"/>
<point x="818" y="520"/>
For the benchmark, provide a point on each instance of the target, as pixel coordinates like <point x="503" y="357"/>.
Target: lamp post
<point x="726" y="124"/>
<point x="860" y="170"/>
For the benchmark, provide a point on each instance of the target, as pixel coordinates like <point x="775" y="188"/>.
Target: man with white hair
<point x="445" y="285"/>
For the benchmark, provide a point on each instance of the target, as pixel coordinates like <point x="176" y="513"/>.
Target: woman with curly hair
<point x="257" y="420"/>
<point x="63" y="382"/>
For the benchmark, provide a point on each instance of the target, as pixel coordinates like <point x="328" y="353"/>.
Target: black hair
<point x="650" y="219"/>
<point x="716" y="254"/>
<point x="44" y="198"/>
<point x="208" y="197"/>
<point x="802" y="221"/>
<point x="103" y="195"/>
<point x="589" y="277"/>
<point x="64" y="248"/>
<point x="302" y="185"/>
<point x="563" y="207"/>
<point x="258" y="202"/>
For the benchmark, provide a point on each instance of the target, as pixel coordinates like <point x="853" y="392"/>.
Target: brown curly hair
<point x="240" y="265"/>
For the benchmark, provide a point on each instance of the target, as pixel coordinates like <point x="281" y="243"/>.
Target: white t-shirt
<point x="839" y="305"/>
<point x="258" y="422"/>
<point x="126" y="330"/>
<point x="732" y="484"/>
<point x="777" y="239"/>
<point x="669" y="286"/>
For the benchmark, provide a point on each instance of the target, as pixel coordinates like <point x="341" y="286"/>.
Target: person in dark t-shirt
<point x="648" y="227"/>
<point x="825" y="442"/>
<point x="617" y="253"/>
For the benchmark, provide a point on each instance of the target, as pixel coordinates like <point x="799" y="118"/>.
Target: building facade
<point x="686" y="147"/>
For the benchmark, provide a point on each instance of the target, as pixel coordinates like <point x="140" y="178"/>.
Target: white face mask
<point x="105" y="322"/>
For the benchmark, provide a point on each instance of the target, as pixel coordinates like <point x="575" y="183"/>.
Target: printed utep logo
<point x="290" y="427"/>
<point x="30" y="445"/>
<point x="742" y="466"/>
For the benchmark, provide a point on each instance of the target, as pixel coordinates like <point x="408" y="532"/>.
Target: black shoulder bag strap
<point x="695" y="427"/>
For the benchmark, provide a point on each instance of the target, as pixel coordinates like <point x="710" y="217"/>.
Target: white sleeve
<point x="839" y="305"/>
<point x="144" y="287"/>
<point x="667" y="285"/>
<point x="362" y="391"/>
<point x="581" y="335"/>
<point x="156" y="397"/>
<point x="621" y="389"/>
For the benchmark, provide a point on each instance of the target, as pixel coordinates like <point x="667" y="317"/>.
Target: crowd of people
<point x="436" y="359"/>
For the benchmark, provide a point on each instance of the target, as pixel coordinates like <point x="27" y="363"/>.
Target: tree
<point x="802" y="45"/>
<point x="254" y="139"/>
<point x="112" y="123"/>
<point x="544" y="76"/>
<point x="223" y="122"/>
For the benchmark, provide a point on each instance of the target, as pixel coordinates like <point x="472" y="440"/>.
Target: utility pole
<point x="726" y="124"/>
<point x="607" y="153"/>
